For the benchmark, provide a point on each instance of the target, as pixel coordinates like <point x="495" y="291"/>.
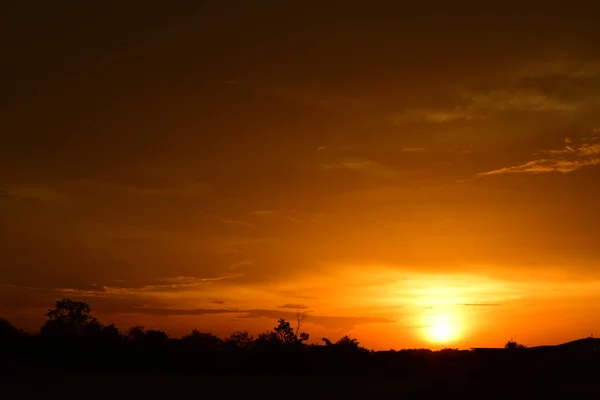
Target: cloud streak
<point x="330" y="322"/>
<point x="478" y="105"/>
<point x="294" y="306"/>
<point x="568" y="159"/>
<point x="363" y="166"/>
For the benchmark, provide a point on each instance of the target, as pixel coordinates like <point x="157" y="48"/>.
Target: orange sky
<point x="412" y="175"/>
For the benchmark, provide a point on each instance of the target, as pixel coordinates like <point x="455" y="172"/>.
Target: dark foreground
<point x="76" y="357"/>
<point x="175" y="385"/>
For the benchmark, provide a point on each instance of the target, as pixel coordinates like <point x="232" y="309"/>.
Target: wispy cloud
<point x="412" y="149"/>
<point x="263" y="212"/>
<point x="520" y="100"/>
<point x="240" y="264"/>
<point x="229" y="221"/>
<point x="559" y="67"/>
<point x="437" y="116"/>
<point x="354" y="164"/>
<point x="568" y="159"/>
<point x="160" y="285"/>
<point x="330" y="322"/>
<point x="294" y="306"/>
<point x="478" y="105"/>
<point x="317" y="217"/>
<point x="362" y="165"/>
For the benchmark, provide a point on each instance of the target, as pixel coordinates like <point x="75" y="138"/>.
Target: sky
<point x="411" y="174"/>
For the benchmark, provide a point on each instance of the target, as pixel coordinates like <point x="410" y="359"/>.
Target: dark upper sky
<point x="178" y="154"/>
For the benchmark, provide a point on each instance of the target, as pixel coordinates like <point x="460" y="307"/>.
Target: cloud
<point x="161" y="285"/>
<point x="329" y="322"/>
<point x="356" y="164"/>
<point x="362" y="165"/>
<point x="478" y="105"/>
<point x="480" y="304"/>
<point x="317" y="217"/>
<point x="520" y="100"/>
<point x="560" y="67"/>
<point x="174" y="311"/>
<point x="294" y="306"/>
<point x="413" y="149"/>
<point x="217" y="302"/>
<point x="263" y="212"/>
<point x="568" y="159"/>
<point x="229" y="221"/>
<point x="242" y="263"/>
<point x="437" y="116"/>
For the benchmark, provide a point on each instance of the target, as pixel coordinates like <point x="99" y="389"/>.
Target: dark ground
<point x="130" y="385"/>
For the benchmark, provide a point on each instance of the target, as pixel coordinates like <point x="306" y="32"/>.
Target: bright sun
<point x="442" y="328"/>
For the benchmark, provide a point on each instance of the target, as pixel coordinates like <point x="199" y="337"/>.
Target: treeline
<point x="72" y="339"/>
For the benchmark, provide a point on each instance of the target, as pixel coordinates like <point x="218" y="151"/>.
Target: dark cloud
<point x="294" y="306"/>
<point x="172" y="311"/>
<point x="329" y="322"/>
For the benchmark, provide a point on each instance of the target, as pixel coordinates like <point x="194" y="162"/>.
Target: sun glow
<point x="443" y="328"/>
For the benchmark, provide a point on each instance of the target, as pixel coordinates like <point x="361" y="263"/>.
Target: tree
<point x="92" y="330"/>
<point x="348" y="342"/>
<point x="111" y="334"/>
<point x="513" y="345"/>
<point x="240" y="340"/>
<point x="201" y="341"/>
<point x="8" y="331"/>
<point x="288" y="335"/>
<point x="73" y="315"/>
<point x="136" y="333"/>
<point x="155" y="337"/>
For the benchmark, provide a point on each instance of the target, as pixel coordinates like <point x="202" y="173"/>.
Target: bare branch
<point x="300" y="317"/>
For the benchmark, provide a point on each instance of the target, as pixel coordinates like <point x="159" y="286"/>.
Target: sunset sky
<point x="418" y="174"/>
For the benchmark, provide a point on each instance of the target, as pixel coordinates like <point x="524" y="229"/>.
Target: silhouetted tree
<point x="513" y="345"/>
<point x="241" y="340"/>
<point x="136" y="333"/>
<point x="92" y="330"/>
<point x="154" y="337"/>
<point x="287" y="335"/>
<point x="348" y="342"/>
<point x="67" y="318"/>
<point x="201" y="341"/>
<point x="111" y="332"/>
<point x="8" y="331"/>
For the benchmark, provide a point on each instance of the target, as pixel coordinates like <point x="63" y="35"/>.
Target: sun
<point x="443" y="328"/>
